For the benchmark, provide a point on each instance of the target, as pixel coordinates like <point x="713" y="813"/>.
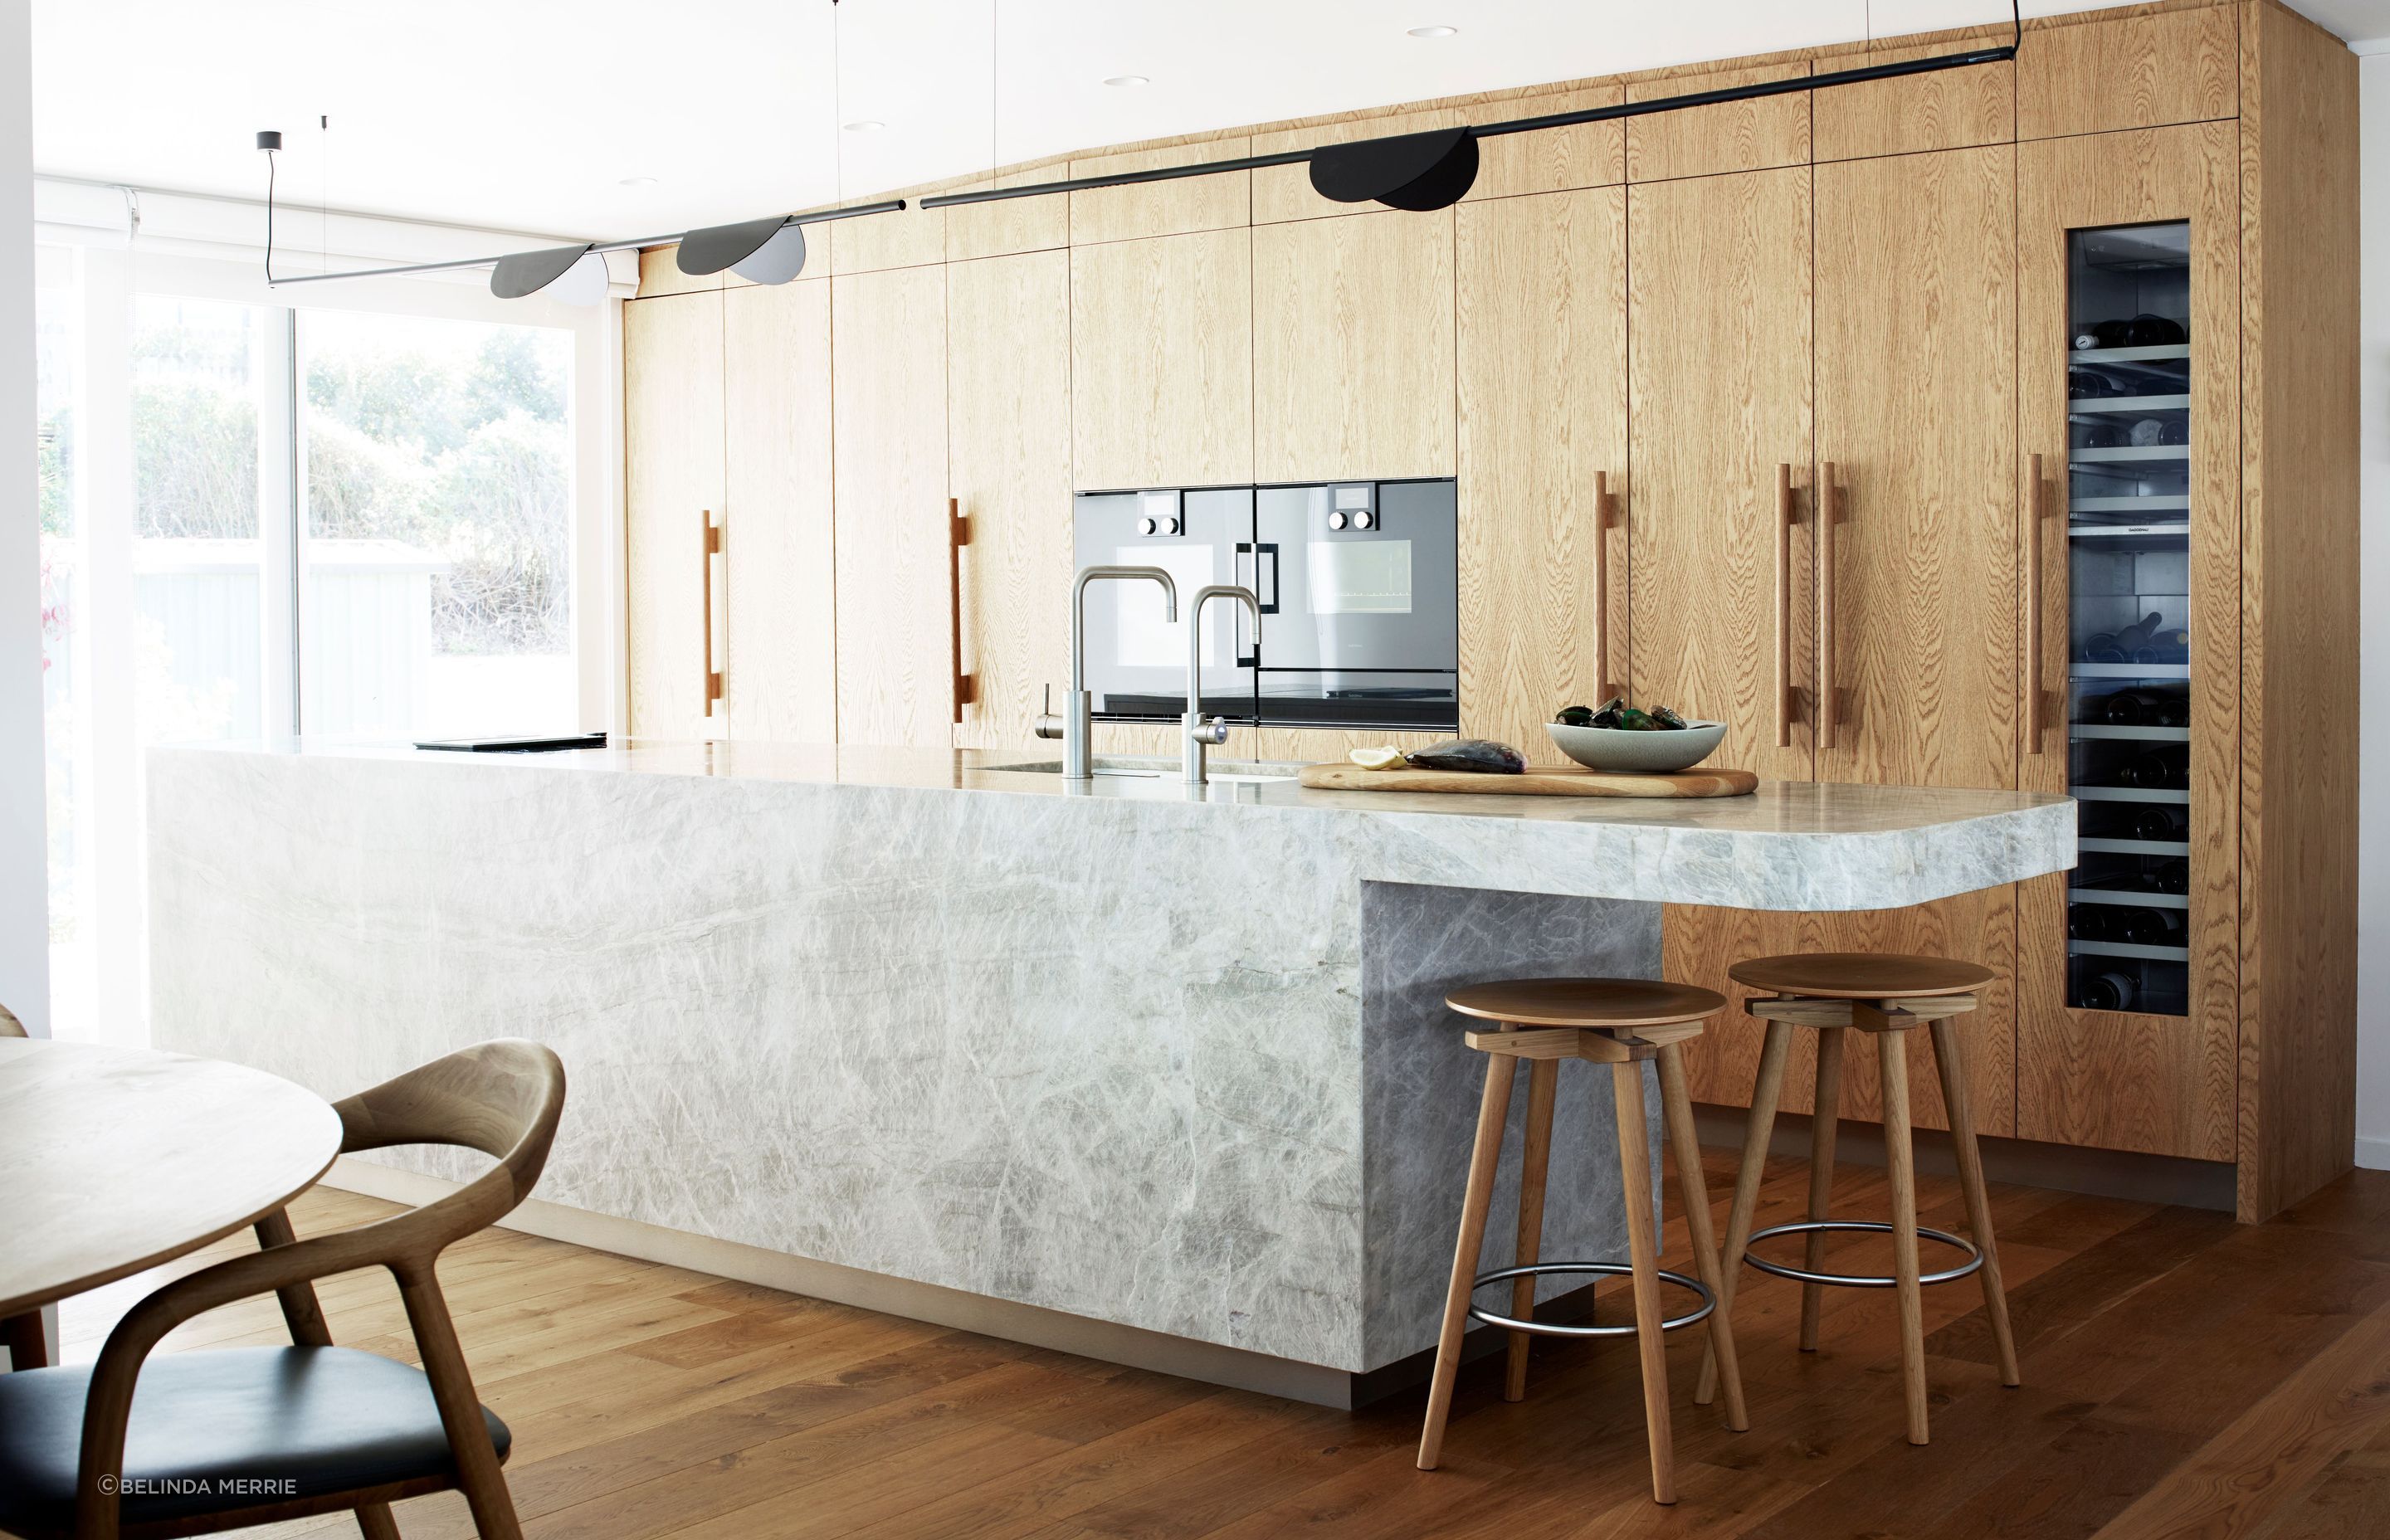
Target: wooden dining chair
<point x="226" y="1438"/>
<point x="28" y="1347"/>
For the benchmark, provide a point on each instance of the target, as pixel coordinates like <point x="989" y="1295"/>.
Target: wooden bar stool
<point x="1619" y="1022"/>
<point x="1886" y="996"/>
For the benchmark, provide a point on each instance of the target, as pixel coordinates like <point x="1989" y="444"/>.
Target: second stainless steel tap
<point x="1203" y="734"/>
<point x="1076" y="725"/>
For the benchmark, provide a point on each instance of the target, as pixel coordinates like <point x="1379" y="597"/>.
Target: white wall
<point x="25" y="920"/>
<point x="2373" y="787"/>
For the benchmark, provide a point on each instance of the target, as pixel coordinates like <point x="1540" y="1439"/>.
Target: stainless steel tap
<point x="1201" y="734"/>
<point x="1075" y="724"/>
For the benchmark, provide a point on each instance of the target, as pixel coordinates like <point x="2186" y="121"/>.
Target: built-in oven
<point x="1358" y="584"/>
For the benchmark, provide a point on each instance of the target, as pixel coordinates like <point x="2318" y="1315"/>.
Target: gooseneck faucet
<point x="1201" y="734"/>
<point x="1078" y="712"/>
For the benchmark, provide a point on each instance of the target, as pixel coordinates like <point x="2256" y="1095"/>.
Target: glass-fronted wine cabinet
<point x="2129" y="684"/>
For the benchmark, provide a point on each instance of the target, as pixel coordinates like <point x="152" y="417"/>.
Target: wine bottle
<point x="2149" y="927"/>
<point x="2160" y="769"/>
<point x="2175" y="430"/>
<point x="2168" y="876"/>
<point x="2168" y="824"/>
<point x="2146" y="331"/>
<point x="2102" y="334"/>
<point x="2129" y="708"/>
<point x="2091" y="922"/>
<point x="2148" y="434"/>
<point x="2171" y="711"/>
<point x="2092" y="385"/>
<point x="2110" y="991"/>
<point x="2102" y="435"/>
<point x="2138" y="635"/>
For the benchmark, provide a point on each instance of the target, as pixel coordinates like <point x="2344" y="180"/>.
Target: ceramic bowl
<point x="1650" y="753"/>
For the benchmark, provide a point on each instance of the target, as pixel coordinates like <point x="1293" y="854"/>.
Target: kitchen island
<point x="1157" y="1074"/>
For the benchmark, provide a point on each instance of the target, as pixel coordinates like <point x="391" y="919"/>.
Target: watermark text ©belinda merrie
<point x="198" y="1486"/>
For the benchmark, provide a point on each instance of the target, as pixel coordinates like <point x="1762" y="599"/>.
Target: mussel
<point x="1479" y="755"/>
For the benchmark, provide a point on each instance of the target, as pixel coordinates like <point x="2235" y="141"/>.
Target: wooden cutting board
<point x="1541" y="780"/>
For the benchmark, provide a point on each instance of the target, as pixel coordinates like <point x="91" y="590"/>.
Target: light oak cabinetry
<point x="894" y="622"/>
<point x="1699" y="314"/>
<point x="781" y="611"/>
<point x="1352" y="347"/>
<point x="1161" y="361"/>
<point x="1543" y="426"/>
<point x="1008" y="368"/>
<point x="672" y="485"/>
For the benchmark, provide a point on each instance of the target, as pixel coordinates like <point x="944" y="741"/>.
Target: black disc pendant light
<point x="577" y="274"/>
<point x="760" y="251"/>
<point x="1417" y="171"/>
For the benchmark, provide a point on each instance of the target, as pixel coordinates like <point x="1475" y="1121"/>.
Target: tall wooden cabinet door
<point x="1008" y="395"/>
<point x="1161" y="361"/>
<point x="894" y="641"/>
<point x="1918" y="589"/>
<point x="779" y="667"/>
<point x="2100" y="223"/>
<point x="1543" y="423"/>
<point x="1718" y="327"/>
<point x="672" y="452"/>
<point x="1352" y="347"/>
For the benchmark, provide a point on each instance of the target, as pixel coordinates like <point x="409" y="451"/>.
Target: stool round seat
<point x="1860" y="975"/>
<point x="1587" y="1002"/>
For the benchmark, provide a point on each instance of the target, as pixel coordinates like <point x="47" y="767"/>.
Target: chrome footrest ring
<point x="1604" y="1269"/>
<point x="1860" y="1280"/>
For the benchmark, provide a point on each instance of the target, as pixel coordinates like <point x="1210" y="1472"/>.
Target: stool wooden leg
<point x="27" y="1345"/>
<point x="1825" y="1111"/>
<point x="1493" y="1112"/>
<point x="1953" y="1070"/>
<point x="1643" y="1254"/>
<point x="1677" y="1106"/>
<point x="1900" y="1159"/>
<point x="1543" y="1083"/>
<point x="1764" y="1090"/>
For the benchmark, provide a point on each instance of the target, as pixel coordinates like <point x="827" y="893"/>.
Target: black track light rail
<point x="820" y="216"/>
<point x="1518" y="125"/>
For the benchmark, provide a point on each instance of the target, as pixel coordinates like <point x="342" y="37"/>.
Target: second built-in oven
<point x="1358" y="590"/>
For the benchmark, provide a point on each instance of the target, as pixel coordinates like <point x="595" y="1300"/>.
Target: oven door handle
<point x="1268" y="598"/>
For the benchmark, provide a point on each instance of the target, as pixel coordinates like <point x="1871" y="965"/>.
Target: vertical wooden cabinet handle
<point x="1828" y="496"/>
<point x="1599" y="573"/>
<point x="1783" y="607"/>
<point x="957" y="536"/>
<point x="712" y="547"/>
<point x="2033" y="606"/>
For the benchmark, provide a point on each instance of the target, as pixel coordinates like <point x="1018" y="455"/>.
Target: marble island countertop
<point x="1792" y="845"/>
<point x="1106" y="1059"/>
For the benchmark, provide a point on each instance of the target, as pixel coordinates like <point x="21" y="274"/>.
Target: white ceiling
<point x="528" y="114"/>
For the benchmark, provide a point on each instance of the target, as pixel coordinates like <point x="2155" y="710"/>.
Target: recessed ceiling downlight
<point x="1129" y="80"/>
<point x="1433" y="31"/>
<point x="865" y="125"/>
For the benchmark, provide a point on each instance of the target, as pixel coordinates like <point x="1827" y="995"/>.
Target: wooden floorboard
<point x="2184" y="1377"/>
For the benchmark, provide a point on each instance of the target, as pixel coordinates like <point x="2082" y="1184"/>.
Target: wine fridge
<point x="2129" y="679"/>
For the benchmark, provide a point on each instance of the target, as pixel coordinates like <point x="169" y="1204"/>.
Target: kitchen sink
<point x="1133" y="769"/>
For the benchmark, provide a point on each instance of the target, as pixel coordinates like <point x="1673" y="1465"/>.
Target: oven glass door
<point x="1136" y="660"/>
<point x="1359" y="588"/>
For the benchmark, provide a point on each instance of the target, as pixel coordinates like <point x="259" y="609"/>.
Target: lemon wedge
<point x="1386" y="757"/>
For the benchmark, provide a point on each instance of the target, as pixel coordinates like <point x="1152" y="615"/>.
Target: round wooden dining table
<point x="115" y="1159"/>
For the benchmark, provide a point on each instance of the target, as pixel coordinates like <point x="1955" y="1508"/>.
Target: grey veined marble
<point x="1181" y="1065"/>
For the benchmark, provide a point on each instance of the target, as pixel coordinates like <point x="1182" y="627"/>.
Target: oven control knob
<point x="1335" y="520"/>
<point x="1363" y="521"/>
<point x="1147" y="526"/>
<point x="1170" y="526"/>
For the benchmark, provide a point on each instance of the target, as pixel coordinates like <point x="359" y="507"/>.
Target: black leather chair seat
<point x="320" y="1419"/>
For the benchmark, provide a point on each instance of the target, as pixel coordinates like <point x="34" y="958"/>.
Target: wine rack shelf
<point x="2117" y="532"/>
<point x="2098" y="845"/>
<point x="2152" y="504"/>
<point x="2139" y="454"/>
<point x="2130" y="355"/>
<point x="2096" y="731"/>
<point x="2132" y="671"/>
<point x="2135" y="898"/>
<point x="2106" y="404"/>
<point x="2127" y="949"/>
<point x="2169" y="796"/>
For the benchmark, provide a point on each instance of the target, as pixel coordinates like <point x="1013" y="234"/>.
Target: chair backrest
<point x="503" y="1097"/>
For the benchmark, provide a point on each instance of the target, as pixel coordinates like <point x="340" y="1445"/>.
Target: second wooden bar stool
<point x="1885" y="997"/>
<point x="1620" y="1023"/>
